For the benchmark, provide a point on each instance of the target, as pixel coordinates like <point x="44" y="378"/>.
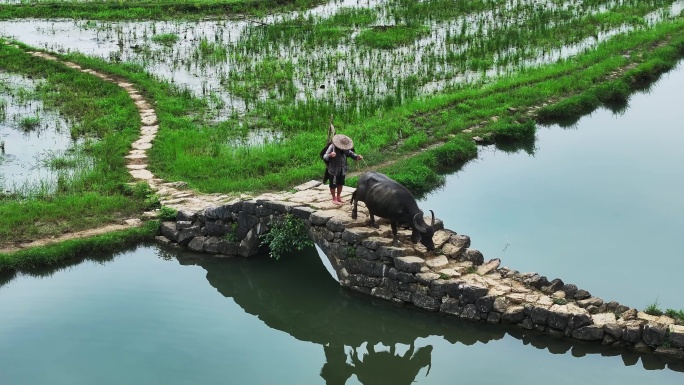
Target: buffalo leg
<point x="395" y="241"/>
<point x="372" y="220"/>
<point x="355" y="203"/>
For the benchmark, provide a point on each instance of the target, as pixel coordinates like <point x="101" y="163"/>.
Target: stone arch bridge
<point x="453" y="280"/>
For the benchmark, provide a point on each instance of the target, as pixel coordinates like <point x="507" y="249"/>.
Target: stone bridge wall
<point x="453" y="280"/>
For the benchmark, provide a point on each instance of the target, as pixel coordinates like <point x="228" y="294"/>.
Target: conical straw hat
<point x="343" y="142"/>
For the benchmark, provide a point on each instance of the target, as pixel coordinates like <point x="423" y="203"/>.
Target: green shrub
<point x="653" y="309"/>
<point x="286" y="234"/>
<point x="168" y="213"/>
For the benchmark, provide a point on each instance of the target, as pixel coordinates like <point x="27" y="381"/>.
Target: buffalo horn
<point x="416" y="225"/>
<point x="433" y="219"/>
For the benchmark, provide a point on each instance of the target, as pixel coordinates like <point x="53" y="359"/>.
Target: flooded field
<point x="36" y="141"/>
<point x="356" y="56"/>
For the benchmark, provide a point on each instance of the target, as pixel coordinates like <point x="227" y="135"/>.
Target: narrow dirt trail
<point x="171" y="194"/>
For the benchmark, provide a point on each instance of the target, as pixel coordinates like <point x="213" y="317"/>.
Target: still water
<point x="150" y="316"/>
<point x="599" y="204"/>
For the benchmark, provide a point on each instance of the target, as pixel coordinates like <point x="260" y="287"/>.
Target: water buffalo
<point x="388" y="199"/>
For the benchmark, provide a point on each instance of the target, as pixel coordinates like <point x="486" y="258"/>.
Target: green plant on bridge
<point x="287" y="234"/>
<point x="167" y="213"/>
<point x="232" y="235"/>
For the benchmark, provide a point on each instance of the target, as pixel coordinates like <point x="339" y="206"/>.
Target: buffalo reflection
<point x="297" y="295"/>
<point x="375" y="366"/>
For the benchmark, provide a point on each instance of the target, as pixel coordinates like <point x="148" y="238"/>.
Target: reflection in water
<point x="145" y="303"/>
<point x="296" y="295"/>
<point x="388" y="367"/>
<point x="374" y="367"/>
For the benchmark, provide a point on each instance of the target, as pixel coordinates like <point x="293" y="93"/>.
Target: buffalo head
<point x="422" y="232"/>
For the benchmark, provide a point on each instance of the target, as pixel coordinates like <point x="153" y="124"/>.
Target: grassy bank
<point x="92" y="188"/>
<point x="74" y="249"/>
<point x="146" y="9"/>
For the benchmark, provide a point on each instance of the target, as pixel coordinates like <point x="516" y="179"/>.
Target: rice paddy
<point x="37" y="148"/>
<point x="244" y="99"/>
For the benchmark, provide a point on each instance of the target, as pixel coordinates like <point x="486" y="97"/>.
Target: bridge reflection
<point x="373" y="339"/>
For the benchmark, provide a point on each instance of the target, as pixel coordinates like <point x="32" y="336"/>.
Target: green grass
<point x="654" y="309"/>
<point x="95" y="191"/>
<point x="66" y="251"/>
<point x="146" y="9"/>
<point x="676" y="314"/>
<point x="29" y="123"/>
<point x="167" y="39"/>
<point x="388" y="37"/>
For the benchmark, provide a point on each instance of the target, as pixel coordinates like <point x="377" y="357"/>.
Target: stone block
<point x="364" y="253"/>
<point x="493" y="318"/>
<point x="677" y="336"/>
<point x="429" y="279"/>
<point x="262" y="211"/>
<point x="211" y="245"/>
<point x="302" y="212"/>
<point x="403" y="295"/>
<point x="168" y="230"/>
<point x="214" y="228"/>
<point x="186" y="235"/>
<point x="369" y="268"/>
<point x="451" y="306"/>
<point x="499" y="305"/>
<point x="603" y="319"/>
<point x="249" y="207"/>
<point x="588" y="333"/>
<point x="409" y="264"/>
<point x="441" y="237"/>
<point x="553" y="286"/>
<point x="426" y="302"/>
<point x="591" y="301"/>
<point x="558" y="317"/>
<point x="471" y="293"/>
<point x="437" y="262"/>
<point x="474" y="256"/>
<point x="227" y="248"/>
<point x="488" y="267"/>
<point x="632" y="333"/>
<point x="249" y="245"/>
<point x="485" y="304"/>
<point x="218" y="212"/>
<point x="391" y="252"/>
<point x="577" y="321"/>
<point x="186" y="215"/>
<point x="281" y="207"/>
<point x="246" y="223"/>
<point x="460" y="241"/>
<point x="570" y="290"/>
<point x="405" y="277"/>
<point x="381" y="292"/>
<point x="374" y="243"/>
<point x="581" y="294"/>
<point x="613" y="329"/>
<point x="470" y="312"/>
<point x="180" y="225"/>
<point x="197" y="244"/>
<point x="513" y="314"/>
<point x="653" y="335"/>
<point x="539" y="315"/>
<point x="355" y="235"/>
